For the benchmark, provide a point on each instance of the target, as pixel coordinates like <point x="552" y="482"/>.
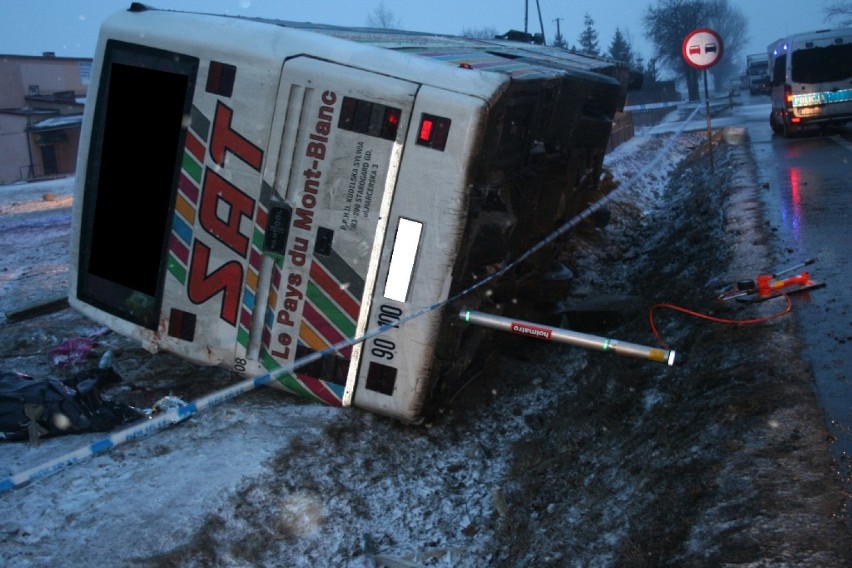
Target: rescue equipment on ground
<point x="763" y="287"/>
<point x="768" y="286"/>
<point x="579" y="339"/>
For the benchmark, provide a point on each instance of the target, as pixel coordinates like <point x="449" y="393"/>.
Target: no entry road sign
<point x="702" y="48"/>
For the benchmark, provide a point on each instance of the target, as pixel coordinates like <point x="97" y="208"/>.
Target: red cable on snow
<point x="788" y="308"/>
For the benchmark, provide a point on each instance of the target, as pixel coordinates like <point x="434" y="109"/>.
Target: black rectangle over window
<point x="277" y="229"/>
<point x="134" y="161"/>
<point x="182" y="324"/>
<point x="381" y="378"/>
<point x="331" y="368"/>
<point x="221" y="78"/>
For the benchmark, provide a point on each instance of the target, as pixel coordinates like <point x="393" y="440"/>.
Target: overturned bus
<point x="251" y="193"/>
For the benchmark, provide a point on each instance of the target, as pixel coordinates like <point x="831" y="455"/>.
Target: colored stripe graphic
<point x="305" y="386"/>
<point x="330" y="312"/>
<point x="178" y="255"/>
<point x="183" y="220"/>
<point x="320" y="299"/>
<point x="195" y="147"/>
<point x="311" y="338"/>
<point x="272" y="301"/>
<point x="176" y="269"/>
<point x="345" y="275"/>
<point x="337" y="292"/>
<point x="329" y="316"/>
<point x="187" y="211"/>
<point x="322" y="326"/>
<point x="255" y="257"/>
<point x="190" y="167"/>
<point x="329" y="393"/>
<point x="182" y="231"/>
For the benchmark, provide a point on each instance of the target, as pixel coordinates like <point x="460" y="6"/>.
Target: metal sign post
<point x="709" y="128"/>
<point x="702" y="48"/>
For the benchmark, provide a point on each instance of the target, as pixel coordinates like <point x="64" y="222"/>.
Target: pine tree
<point x="619" y="48"/>
<point x="589" y="37"/>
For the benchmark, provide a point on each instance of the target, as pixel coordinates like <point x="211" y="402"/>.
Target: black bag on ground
<point x="35" y="408"/>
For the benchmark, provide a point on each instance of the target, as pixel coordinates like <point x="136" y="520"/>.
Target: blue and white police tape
<point x="177" y="414"/>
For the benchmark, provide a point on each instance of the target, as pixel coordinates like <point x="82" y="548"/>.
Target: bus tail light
<point x="372" y="119"/>
<point x="433" y="132"/>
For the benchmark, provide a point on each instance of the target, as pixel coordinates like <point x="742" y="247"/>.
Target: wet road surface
<point x="807" y="198"/>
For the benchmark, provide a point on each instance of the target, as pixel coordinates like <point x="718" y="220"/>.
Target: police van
<point x="811" y="80"/>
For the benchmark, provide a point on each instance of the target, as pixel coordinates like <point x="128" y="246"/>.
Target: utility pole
<point x="31" y="169"/>
<point x="558" y="31"/>
<point x="527" y="18"/>
<point x="540" y="23"/>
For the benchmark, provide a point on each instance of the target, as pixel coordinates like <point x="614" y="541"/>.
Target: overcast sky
<point x="69" y="27"/>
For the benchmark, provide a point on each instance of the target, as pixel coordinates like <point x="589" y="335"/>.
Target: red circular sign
<point x="702" y="48"/>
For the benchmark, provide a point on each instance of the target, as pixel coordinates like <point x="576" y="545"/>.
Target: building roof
<point x="29" y="111"/>
<point x="46" y="56"/>
<point x="58" y="122"/>
<point x="61" y="97"/>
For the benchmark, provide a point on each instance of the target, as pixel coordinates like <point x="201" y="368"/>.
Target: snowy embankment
<point x="151" y="496"/>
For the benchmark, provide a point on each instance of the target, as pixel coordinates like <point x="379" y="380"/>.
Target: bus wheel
<point x="773" y="124"/>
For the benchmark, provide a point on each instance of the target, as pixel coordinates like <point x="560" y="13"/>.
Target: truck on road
<point x="757" y="70"/>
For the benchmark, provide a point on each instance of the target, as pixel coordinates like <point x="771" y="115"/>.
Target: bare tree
<point x="382" y="17"/>
<point x="650" y="72"/>
<point x="732" y="25"/>
<point x="666" y="26"/>
<point x="838" y="12"/>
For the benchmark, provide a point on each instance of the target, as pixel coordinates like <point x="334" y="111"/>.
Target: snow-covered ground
<point x="149" y="496"/>
<point x="268" y="479"/>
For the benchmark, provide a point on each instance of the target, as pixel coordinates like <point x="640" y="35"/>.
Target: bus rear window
<point x="136" y="147"/>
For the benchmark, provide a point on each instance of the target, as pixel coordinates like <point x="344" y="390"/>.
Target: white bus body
<point x="811" y="80"/>
<point x="252" y="191"/>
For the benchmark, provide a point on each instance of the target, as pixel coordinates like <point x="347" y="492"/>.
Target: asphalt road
<point x="807" y="202"/>
<point x="806" y="182"/>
